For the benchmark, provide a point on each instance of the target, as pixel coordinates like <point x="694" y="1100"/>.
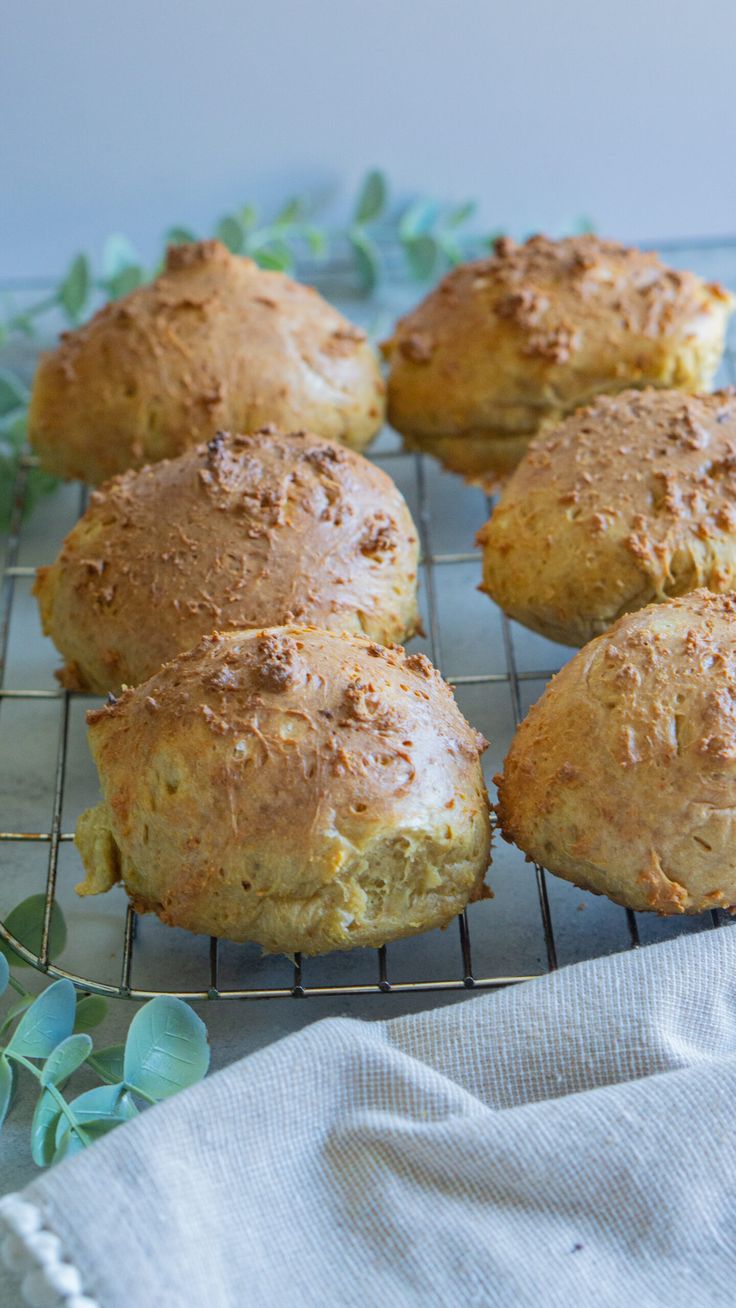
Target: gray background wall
<point x="132" y="115"/>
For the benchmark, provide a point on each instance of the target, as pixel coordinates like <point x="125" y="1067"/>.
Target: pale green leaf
<point x="108" y="1063"/>
<point x="584" y="225"/>
<point x="70" y="1143"/>
<point x="13" y="393"/>
<point x="6" y="1087"/>
<point x="127" y="280"/>
<point x="365" y="258"/>
<point x="91" y="1010"/>
<point x="372" y="197"/>
<point x="230" y="232"/>
<point x="292" y="211"/>
<point x="118" y="253"/>
<point x="276" y="256"/>
<point x="421" y="254"/>
<point x="105" y="1103"/>
<point x="47" y="1022"/>
<point x="248" y="217"/>
<point x="179" y="236"/>
<point x="166" y="1049"/>
<point x="317" y="241"/>
<point x="43" y="1129"/>
<point x="25" y="922"/>
<point x="450" y="248"/>
<point x="66" y="1058"/>
<point x="462" y="214"/>
<point x="74" y="290"/>
<point x="417" y="219"/>
<point x="15" y="1010"/>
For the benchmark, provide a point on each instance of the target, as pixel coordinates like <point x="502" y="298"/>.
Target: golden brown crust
<point x="246" y="531"/>
<point x="622" y="778"/>
<point x="627" y="502"/>
<point x="302" y="789"/>
<point x="505" y="343"/>
<point x="214" y="342"/>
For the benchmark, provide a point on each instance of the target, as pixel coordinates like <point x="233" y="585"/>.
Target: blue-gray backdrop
<point x="130" y="115"/>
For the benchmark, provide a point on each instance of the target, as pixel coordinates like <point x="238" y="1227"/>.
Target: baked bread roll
<point x="629" y="501"/>
<point x="247" y="531"/>
<point x="214" y="342"/>
<point x="622" y="778"/>
<point x="537" y="330"/>
<point x="295" y="787"/>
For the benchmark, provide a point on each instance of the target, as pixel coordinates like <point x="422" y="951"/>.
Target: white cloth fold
<point x="566" y="1142"/>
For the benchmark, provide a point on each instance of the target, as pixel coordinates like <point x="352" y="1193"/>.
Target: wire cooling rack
<point x="497" y="669"/>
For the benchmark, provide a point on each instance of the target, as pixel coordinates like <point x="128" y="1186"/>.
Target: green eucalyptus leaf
<point x="4" y="974"/>
<point x="316" y="241"/>
<point x="70" y="1143"/>
<point x="66" y="1058"/>
<point x="421" y="254"/>
<point x="292" y="211"/>
<point x="39" y="483"/>
<point x="166" y="1049"/>
<point x="108" y="1063"/>
<point x="450" y="248"/>
<point x="13" y="428"/>
<point x="372" y="197"/>
<point x="23" y="323"/>
<point x="105" y="1103"/>
<point x="13" y="393"/>
<point x="462" y="214"/>
<point x="127" y="280"/>
<point x="248" y="217"/>
<point x="365" y="257"/>
<point x="48" y="1021"/>
<point x="15" y="1010"/>
<point x="118" y="253"/>
<point x="25" y="922"/>
<point x="179" y="236"/>
<point x="276" y="256"/>
<point x="584" y="225"/>
<point x="43" y="1129"/>
<point x="74" y="290"/>
<point x="230" y="232"/>
<point x="6" y="1087"/>
<point x="417" y="219"/>
<point x="91" y="1010"/>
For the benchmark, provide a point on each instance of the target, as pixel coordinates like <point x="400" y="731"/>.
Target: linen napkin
<point x="567" y="1142"/>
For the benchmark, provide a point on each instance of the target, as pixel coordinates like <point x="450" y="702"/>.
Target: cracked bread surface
<point x="622" y="777"/>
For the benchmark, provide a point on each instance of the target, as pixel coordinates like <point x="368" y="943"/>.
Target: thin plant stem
<point x="54" y="1092"/>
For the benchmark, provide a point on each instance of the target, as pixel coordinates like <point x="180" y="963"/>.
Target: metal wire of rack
<point x="463" y="977"/>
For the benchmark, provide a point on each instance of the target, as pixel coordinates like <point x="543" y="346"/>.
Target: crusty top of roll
<point x="622" y="777"/>
<point x="369" y="717"/>
<point x="293" y="786"/>
<point x="562" y="297"/>
<point x="627" y="501"/>
<point x="545" y="324"/>
<point x="213" y="342"/>
<point x="246" y="531"/>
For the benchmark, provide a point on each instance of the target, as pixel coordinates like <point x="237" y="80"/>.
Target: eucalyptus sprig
<point x="427" y="232"/>
<point x="46" y="1037"/>
<point x="429" y="235"/>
